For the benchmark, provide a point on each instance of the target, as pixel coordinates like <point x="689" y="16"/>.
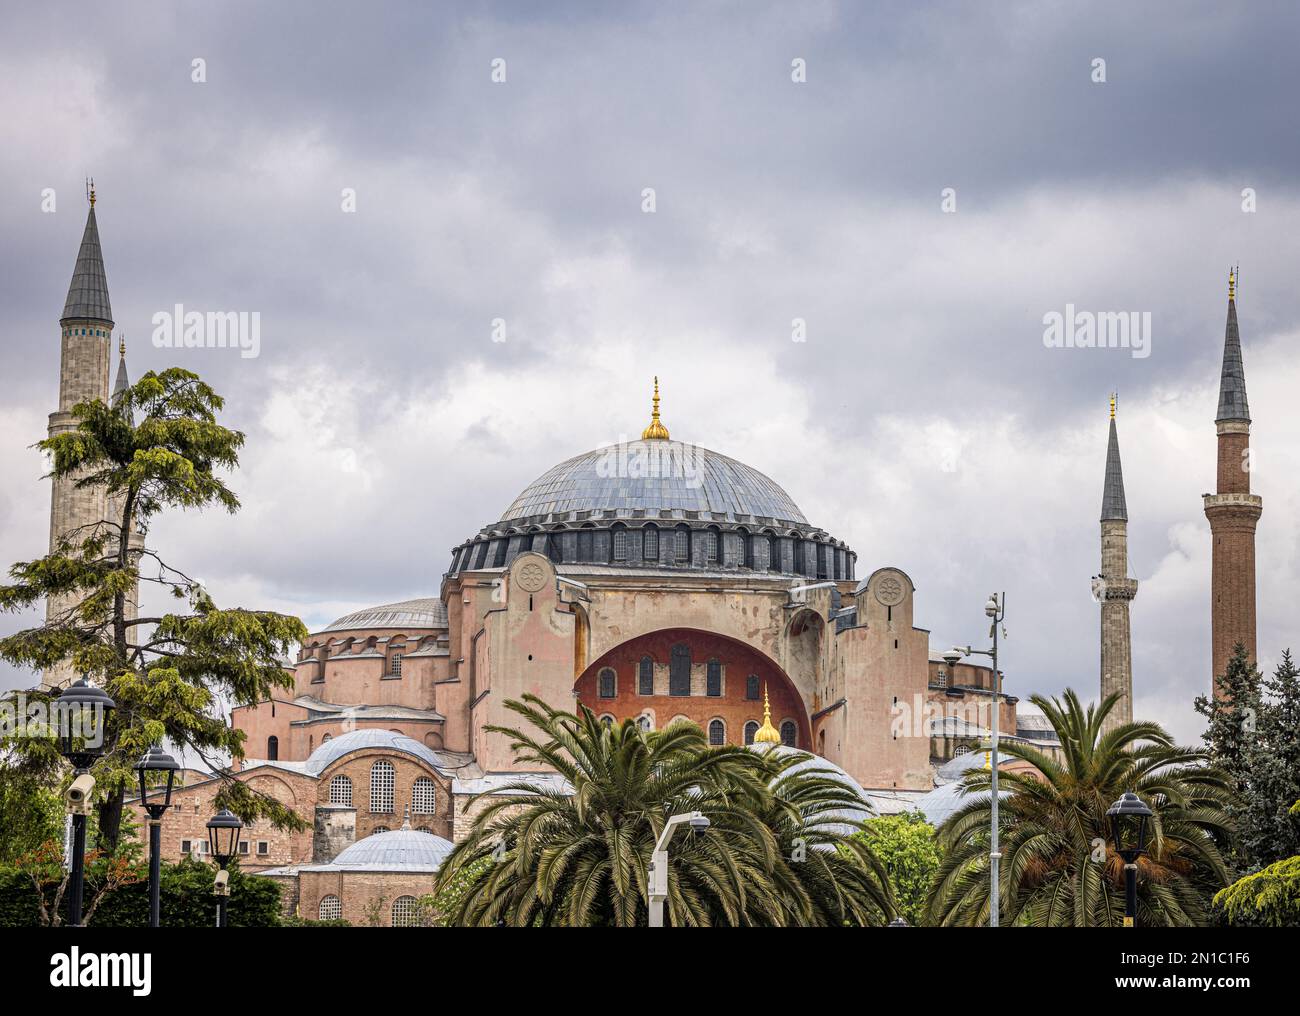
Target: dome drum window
<point x="341" y="790"/>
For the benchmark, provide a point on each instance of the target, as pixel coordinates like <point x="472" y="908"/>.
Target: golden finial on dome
<point x="767" y="734"/>
<point x="1112" y="405"/>
<point x="656" y="431"/>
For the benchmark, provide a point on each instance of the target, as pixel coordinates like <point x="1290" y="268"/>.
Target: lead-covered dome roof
<point x="654" y="476"/>
<point x="400" y="850"/>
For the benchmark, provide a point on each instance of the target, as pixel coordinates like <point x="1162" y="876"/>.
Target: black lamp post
<point x="1128" y="828"/>
<point x="81" y="718"/>
<point x="157" y="772"/>
<point x="223" y="839"/>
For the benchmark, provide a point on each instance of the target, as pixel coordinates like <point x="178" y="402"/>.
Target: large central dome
<point x="657" y="504"/>
<point x="654" y="476"/>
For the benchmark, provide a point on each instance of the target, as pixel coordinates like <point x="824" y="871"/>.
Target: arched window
<point x="607" y="719"/>
<point x="717" y="732"/>
<point x="790" y="734"/>
<point x="644" y="722"/>
<point x="746" y="549"/>
<point x="710" y="537"/>
<point x="752" y="691"/>
<point x="406" y="912"/>
<point x="330" y="909"/>
<point x="608" y="682"/>
<point x="713" y="679"/>
<point x="773" y="554"/>
<point x="645" y="680"/>
<point x="379" y="829"/>
<point x="381" y="786"/>
<point x="327" y="737"/>
<point x="751" y="728"/>
<point x="423" y="797"/>
<point x="650" y="543"/>
<point x="499" y="554"/>
<point x="272" y="748"/>
<point x="341" y="790"/>
<point x="682" y="545"/>
<point x="679" y="670"/>
<point x="620" y="544"/>
<point x="586" y="545"/>
<point x="798" y="555"/>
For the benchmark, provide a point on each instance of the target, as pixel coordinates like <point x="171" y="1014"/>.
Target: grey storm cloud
<point x="923" y="419"/>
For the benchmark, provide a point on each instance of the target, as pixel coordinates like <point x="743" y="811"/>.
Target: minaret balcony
<point x="1237" y="504"/>
<point x="1117" y="589"/>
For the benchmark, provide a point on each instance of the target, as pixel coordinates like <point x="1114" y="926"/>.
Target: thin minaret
<point x="1115" y="589"/>
<point x="86" y="328"/>
<point x="1232" y="510"/>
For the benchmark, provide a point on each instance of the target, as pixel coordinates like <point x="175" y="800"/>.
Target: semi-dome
<point x="427" y="612"/>
<point x="653" y="476"/>
<point x="369" y="737"/>
<point x="401" y="850"/>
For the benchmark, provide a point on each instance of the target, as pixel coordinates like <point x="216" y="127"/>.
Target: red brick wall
<point x="738" y="662"/>
<point x="357" y="768"/>
<point x="364" y="895"/>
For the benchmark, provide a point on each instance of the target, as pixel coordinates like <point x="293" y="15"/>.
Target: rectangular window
<point x="243" y="846"/>
<point x="714" y="679"/>
<point x="751" y="688"/>
<point x="620" y="544"/>
<point x="607" y="683"/>
<point x="651" y="552"/>
<point x="396" y="669"/>
<point x="679" y="670"/>
<point x="646" y="677"/>
<point x="263" y="848"/>
<point x="185" y="846"/>
<point x="683" y="546"/>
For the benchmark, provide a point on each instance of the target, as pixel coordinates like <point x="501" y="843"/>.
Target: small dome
<point x="402" y="850"/>
<point x="827" y="768"/>
<point x="370" y="737"/>
<point x="428" y="612"/>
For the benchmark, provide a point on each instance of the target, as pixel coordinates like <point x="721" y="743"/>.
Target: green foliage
<point x="186" y="898"/>
<point x="307" y="922"/>
<point x="172" y="676"/>
<point x="779" y="850"/>
<point x="30" y="813"/>
<point x="1059" y="867"/>
<point x="906" y="846"/>
<point x="1266" y="899"/>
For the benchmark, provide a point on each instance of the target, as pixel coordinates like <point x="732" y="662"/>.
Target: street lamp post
<point x="659" y="862"/>
<point x="157" y="772"/>
<point x="1128" y="828"/>
<point x="81" y="714"/>
<point x="223" y="839"/>
<point x="995" y="610"/>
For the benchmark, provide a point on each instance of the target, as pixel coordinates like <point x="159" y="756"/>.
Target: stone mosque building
<point x="649" y="581"/>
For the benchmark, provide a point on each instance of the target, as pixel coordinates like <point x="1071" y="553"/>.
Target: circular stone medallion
<point x="890" y="590"/>
<point x="531" y="577"/>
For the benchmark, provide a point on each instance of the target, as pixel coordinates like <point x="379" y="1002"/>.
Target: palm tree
<point x="1059" y="867"/>
<point x="579" y="855"/>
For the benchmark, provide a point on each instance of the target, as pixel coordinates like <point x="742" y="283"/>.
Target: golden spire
<point x="1232" y="283"/>
<point x="90" y="186"/>
<point x="767" y="734"/>
<point x="656" y="431"/>
<point x="1112" y="405"/>
<point x="121" y="344"/>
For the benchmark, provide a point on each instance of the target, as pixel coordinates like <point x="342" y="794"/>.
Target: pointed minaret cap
<point x="656" y="431"/>
<point x="1113" y="505"/>
<point x="1232" y="381"/>
<point x="123" y="382"/>
<point x="88" y="292"/>
<point x="767" y="734"/>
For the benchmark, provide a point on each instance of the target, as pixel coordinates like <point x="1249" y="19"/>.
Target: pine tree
<point x="1233" y="715"/>
<point x="172" y="675"/>
<point x="1270" y="832"/>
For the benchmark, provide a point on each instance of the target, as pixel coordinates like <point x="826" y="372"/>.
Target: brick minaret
<point x="1114" y="588"/>
<point x="1233" y="510"/>
<point x="86" y="328"/>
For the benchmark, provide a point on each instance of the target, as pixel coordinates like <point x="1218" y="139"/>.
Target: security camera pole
<point x="995" y="609"/>
<point x="659" y="862"/>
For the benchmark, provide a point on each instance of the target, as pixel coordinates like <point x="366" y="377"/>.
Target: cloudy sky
<point x="943" y="178"/>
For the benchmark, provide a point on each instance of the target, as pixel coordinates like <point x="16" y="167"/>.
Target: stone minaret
<point x="1114" y="588"/>
<point x="86" y="328"/>
<point x="1232" y="510"/>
